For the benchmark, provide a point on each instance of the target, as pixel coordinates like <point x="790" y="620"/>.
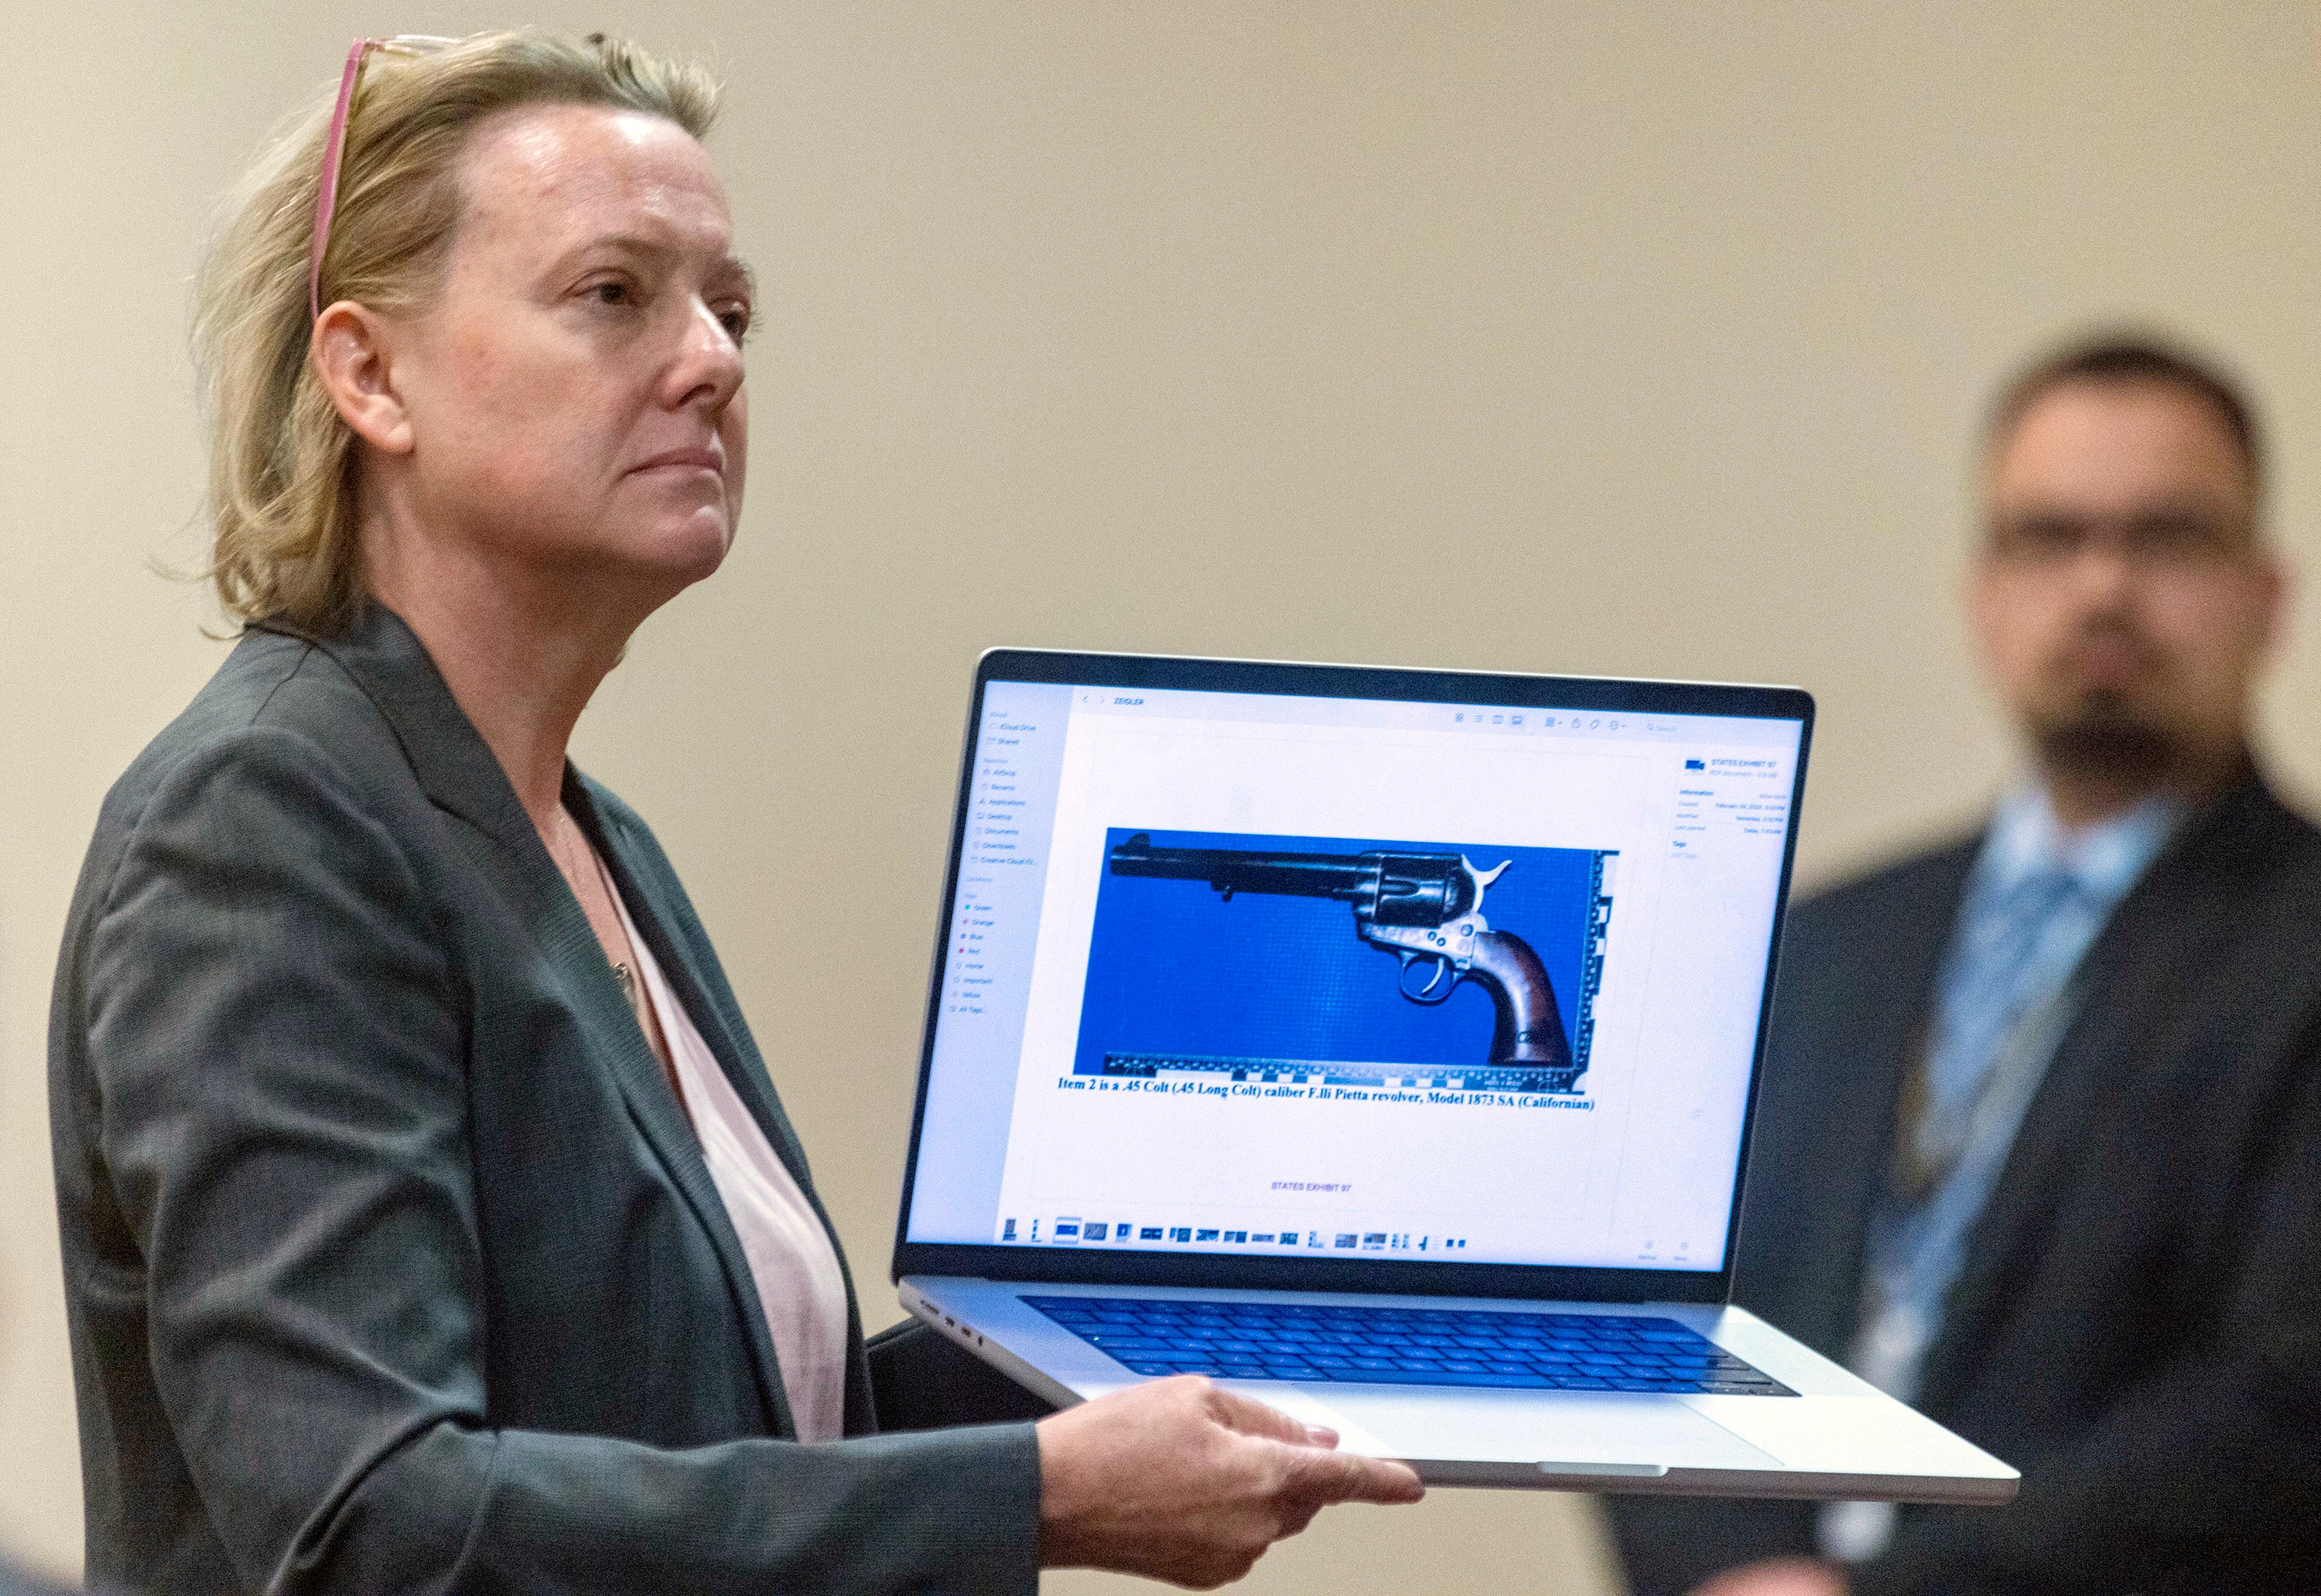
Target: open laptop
<point x="1381" y="1043"/>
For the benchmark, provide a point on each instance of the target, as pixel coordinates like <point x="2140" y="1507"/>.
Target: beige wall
<point x="1613" y="338"/>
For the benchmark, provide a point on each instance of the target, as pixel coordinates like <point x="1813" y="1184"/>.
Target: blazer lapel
<point x="460" y="773"/>
<point x="660" y="921"/>
<point x="1893" y="1037"/>
<point x="1856" y="976"/>
<point x="572" y="943"/>
<point x="736" y="1052"/>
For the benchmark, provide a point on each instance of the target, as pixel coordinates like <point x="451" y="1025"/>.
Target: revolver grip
<point x="1530" y="1028"/>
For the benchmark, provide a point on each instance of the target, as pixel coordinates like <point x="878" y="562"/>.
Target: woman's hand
<point x="1179" y="1481"/>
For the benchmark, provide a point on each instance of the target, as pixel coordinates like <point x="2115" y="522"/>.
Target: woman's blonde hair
<point x="281" y="490"/>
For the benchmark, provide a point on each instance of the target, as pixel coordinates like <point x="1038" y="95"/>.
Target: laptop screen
<point x="1320" y="977"/>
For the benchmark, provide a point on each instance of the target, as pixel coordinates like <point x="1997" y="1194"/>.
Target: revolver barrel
<point x="1340" y="876"/>
<point x="1384" y="889"/>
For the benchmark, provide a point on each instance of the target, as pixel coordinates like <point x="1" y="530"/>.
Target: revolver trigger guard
<point x="1426" y="994"/>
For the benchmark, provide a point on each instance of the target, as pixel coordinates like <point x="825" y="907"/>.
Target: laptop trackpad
<point x="1527" y="1428"/>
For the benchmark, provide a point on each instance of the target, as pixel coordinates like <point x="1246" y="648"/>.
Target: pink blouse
<point x="791" y="1261"/>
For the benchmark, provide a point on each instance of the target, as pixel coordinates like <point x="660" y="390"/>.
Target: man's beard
<point x="2105" y="738"/>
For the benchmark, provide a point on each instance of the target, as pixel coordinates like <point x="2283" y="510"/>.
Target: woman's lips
<point x="684" y="459"/>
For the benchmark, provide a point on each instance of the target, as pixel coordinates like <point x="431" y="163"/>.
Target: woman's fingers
<point x="1324" y="1477"/>
<point x="1253" y="1418"/>
<point x="1181" y="1481"/>
<point x="1319" y="1470"/>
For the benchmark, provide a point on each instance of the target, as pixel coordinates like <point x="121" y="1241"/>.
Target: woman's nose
<point x="709" y="365"/>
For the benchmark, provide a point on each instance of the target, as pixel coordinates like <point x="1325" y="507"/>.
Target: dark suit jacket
<point x="2136" y="1326"/>
<point x="391" y="1261"/>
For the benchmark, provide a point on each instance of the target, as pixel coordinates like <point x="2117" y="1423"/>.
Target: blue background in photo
<point x="1173" y="968"/>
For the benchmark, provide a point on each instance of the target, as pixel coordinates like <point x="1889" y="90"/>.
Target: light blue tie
<point x="2015" y="955"/>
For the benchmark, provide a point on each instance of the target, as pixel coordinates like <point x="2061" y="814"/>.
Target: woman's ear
<point x="353" y="356"/>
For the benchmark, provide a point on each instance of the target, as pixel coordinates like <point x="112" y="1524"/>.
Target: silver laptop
<point x="1381" y="1044"/>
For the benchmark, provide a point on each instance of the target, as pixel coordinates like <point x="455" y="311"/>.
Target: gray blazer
<point x="391" y="1262"/>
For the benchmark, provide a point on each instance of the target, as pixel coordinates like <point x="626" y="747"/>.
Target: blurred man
<point x="2040" y="1147"/>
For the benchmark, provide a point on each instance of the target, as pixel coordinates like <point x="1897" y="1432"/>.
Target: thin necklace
<point x="631" y="987"/>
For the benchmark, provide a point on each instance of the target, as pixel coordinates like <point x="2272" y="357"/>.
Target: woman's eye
<point x="613" y="293"/>
<point x="736" y="322"/>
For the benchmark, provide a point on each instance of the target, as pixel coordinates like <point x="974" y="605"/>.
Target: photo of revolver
<point x="1422" y="907"/>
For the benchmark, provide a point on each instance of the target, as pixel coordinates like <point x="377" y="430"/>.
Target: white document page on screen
<point x="1632" y="1167"/>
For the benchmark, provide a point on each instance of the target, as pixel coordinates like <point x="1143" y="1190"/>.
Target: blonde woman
<point x="431" y="1222"/>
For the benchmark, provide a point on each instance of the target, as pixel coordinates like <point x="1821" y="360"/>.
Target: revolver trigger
<point x="1426" y="993"/>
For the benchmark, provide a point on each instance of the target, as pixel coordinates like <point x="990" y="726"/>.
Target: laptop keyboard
<point x="1405" y="1346"/>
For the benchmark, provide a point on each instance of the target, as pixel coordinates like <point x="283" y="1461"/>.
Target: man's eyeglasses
<point x="326" y="189"/>
<point x="2174" y="538"/>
